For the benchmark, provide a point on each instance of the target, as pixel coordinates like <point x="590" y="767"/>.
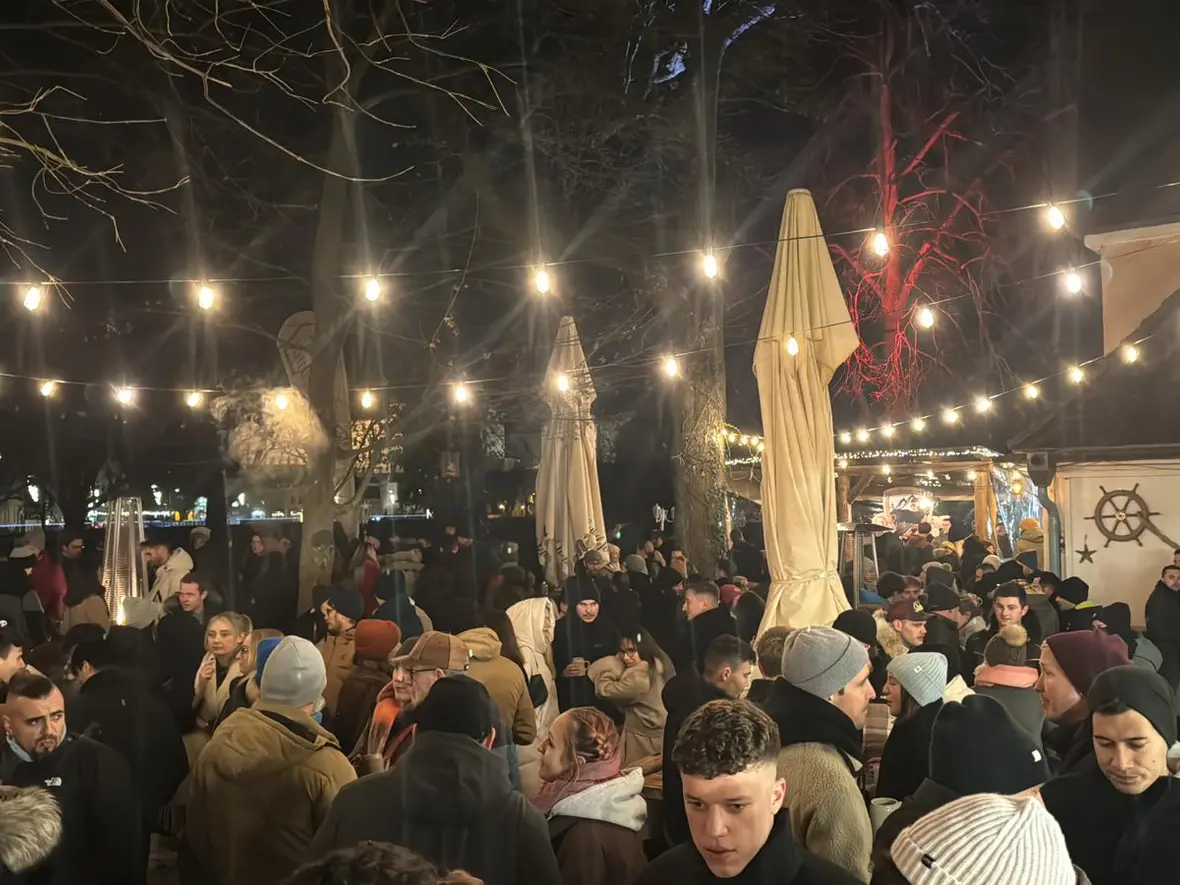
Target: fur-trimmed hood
<point x="30" y="827"/>
<point x="889" y="639"/>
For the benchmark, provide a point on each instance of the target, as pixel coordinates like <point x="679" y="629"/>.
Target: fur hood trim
<point x="889" y="639"/>
<point x="30" y="827"/>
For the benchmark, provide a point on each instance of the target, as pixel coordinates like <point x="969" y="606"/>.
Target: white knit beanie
<point x="921" y="673"/>
<point x="985" y="839"/>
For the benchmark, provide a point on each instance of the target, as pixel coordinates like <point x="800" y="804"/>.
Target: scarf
<point x="582" y="776"/>
<point x="385" y="714"/>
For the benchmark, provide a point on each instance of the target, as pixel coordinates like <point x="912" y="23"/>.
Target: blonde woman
<point x="225" y="639"/>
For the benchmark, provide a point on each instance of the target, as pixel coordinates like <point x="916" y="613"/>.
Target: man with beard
<point x="101" y="843"/>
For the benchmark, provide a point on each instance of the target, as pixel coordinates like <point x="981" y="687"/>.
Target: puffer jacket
<point x="339" y="653"/>
<point x="637" y="692"/>
<point x="260" y="790"/>
<point x="504" y="681"/>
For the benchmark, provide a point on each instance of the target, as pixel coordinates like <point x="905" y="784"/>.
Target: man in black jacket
<point x="1163" y="622"/>
<point x="707" y="619"/>
<point x="726" y="755"/>
<point x="101" y="836"/>
<point x="1009" y="606"/>
<point x="942" y="629"/>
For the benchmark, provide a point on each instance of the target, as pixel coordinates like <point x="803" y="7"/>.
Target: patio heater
<point x="123" y="570"/>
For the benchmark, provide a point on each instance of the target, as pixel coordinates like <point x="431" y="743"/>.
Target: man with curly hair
<point x="376" y="863"/>
<point x="726" y="754"/>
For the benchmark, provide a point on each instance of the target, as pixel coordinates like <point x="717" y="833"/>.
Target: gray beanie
<point x="294" y="675"/>
<point x="922" y="674"/>
<point x="821" y="661"/>
<point x="633" y="562"/>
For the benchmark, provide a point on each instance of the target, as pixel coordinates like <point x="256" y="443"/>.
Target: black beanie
<point x="889" y="583"/>
<point x="581" y="588"/>
<point x="1145" y="692"/>
<point x="860" y="625"/>
<point x="1074" y="590"/>
<point x="977" y="747"/>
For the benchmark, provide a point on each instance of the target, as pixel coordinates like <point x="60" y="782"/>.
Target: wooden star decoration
<point x="1086" y="554"/>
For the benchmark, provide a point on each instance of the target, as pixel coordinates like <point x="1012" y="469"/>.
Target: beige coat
<point x="504" y="681"/>
<point x="262" y="787"/>
<point x="637" y="692"/>
<point x="828" y="813"/>
<point x="210" y="697"/>
<point x="339" y="653"/>
<point x="166" y="582"/>
<point x="93" y="610"/>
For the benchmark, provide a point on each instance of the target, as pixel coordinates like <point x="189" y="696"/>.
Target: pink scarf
<point x="583" y="776"/>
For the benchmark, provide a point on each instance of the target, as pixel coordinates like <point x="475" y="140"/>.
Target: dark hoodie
<point x="30" y="827"/>
<point x="779" y="862"/>
<point x="449" y="799"/>
<point x="574" y="638"/>
<point x="682" y="696"/>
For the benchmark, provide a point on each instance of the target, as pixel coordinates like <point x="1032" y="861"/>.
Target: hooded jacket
<point x="166" y="582"/>
<point x="596" y="832"/>
<point x="637" y="692"/>
<point x="533" y="622"/>
<point x="449" y="800"/>
<point x="820" y="759"/>
<point x="504" y="681"/>
<point x="30" y="827"/>
<point x="261" y="789"/>
<point x="779" y="862"/>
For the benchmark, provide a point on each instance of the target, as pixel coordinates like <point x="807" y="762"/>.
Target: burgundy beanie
<point x="376" y="639"/>
<point x="1083" y="654"/>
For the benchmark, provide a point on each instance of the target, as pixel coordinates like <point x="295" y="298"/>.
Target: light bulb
<point x="372" y="289"/>
<point x="1054" y="217"/>
<point x="880" y="244"/>
<point x="983" y="404"/>
<point x="744" y="440"/>
<point x="281" y="401"/>
<point x="48" y="388"/>
<point x="205" y="298"/>
<point x="460" y="393"/>
<point x="862" y="435"/>
<point x="842" y="463"/>
<point x="671" y="367"/>
<point x="887" y="431"/>
<point x="971" y="474"/>
<point x="1072" y="280"/>
<point x="541" y="281"/>
<point x="367" y="399"/>
<point x="709" y="265"/>
<point x="194" y="399"/>
<point x="33" y="298"/>
<point x="1130" y="353"/>
<point x="1077" y="374"/>
<point x="1031" y="391"/>
<point x="845" y="438"/>
<point x="925" y="317"/>
<point x="732" y="436"/>
<point x="949" y="416"/>
<point x="886" y="469"/>
<point x="125" y="396"/>
<point x="792" y="346"/>
<point x="761" y="446"/>
<point x="918" y="425"/>
<point x="563" y="383"/>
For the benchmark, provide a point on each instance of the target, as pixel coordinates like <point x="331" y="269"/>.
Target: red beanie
<point x="1083" y="654"/>
<point x="730" y="594"/>
<point x="376" y="638"/>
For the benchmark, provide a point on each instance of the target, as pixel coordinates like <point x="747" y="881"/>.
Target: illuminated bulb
<point x="925" y="317"/>
<point x="367" y="399"/>
<point x="709" y="265"/>
<point x="930" y="474"/>
<point x="792" y="346"/>
<point x="949" y="416"/>
<point x="1072" y="280"/>
<point x="460" y="393"/>
<point x="761" y="446"/>
<point x="744" y="441"/>
<point x="32" y="299"/>
<point x="563" y="383"/>
<point x="1031" y="391"/>
<point x="48" y="388"/>
<point x="842" y="463"/>
<point x="1017" y="486"/>
<point x="887" y="431"/>
<point x="971" y="474"/>
<point x="1054" y="217"/>
<point x="732" y="436"/>
<point x="983" y="404"/>
<point x="194" y="399"/>
<point x="880" y="244"/>
<point x="924" y="504"/>
<point x="862" y="435"/>
<point x="671" y="367"/>
<point x="205" y="298"/>
<point x="845" y="438"/>
<point x="1130" y="353"/>
<point x="125" y="396"/>
<point x="886" y="469"/>
<point x="1077" y="374"/>
<point x="281" y="401"/>
<point x="541" y="281"/>
<point x="918" y="425"/>
<point x="372" y="289"/>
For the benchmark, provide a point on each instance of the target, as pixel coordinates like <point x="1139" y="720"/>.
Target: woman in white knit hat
<point x="914" y="690"/>
<point x="983" y="839"/>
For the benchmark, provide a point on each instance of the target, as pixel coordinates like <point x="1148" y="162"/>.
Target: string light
<point x="846" y="438"/>
<point x="983" y="404"/>
<point x="925" y="317"/>
<point x="732" y="436"/>
<point x="33" y="298"/>
<point x="1031" y="391"/>
<point x="1077" y="374"/>
<point x="886" y="469"/>
<point x="950" y="416"/>
<point x="918" y="425"/>
<point x="743" y="440"/>
<point x="48" y="388"/>
<point x="887" y="431"/>
<point x="971" y="474"/>
<point x="367" y="399"/>
<point x="1054" y="217"/>
<point x="541" y="281"/>
<point x="372" y="289"/>
<point x="671" y="367"/>
<point x="879" y="244"/>
<point x="1130" y="353"/>
<point x="124" y="396"/>
<point x="1072" y="280"/>
<point x="206" y="298"/>
<point x="194" y="399"/>
<point x="792" y="346"/>
<point x="460" y="393"/>
<point x="862" y="435"/>
<point x="842" y="463"/>
<point x="281" y="402"/>
<point x="563" y="383"/>
<point x="709" y="265"/>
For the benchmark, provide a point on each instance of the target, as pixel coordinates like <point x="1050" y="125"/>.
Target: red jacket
<point x="49" y="580"/>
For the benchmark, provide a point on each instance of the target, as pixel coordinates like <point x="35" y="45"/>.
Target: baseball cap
<point x="435" y="651"/>
<point x="907" y="610"/>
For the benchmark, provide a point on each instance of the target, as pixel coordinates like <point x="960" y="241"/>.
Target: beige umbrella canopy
<point x="805" y="311"/>
<point x="569" y="502"/>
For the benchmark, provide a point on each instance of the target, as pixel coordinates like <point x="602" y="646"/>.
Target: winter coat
<point x="449" y="800"/>
<point x="779" y="862"/>
<point x="973" y="654"/>
<point x="942" y="636"/>
<point x="660" y="603"/>
<point x="103" y="839"/>
<point x="49" y="580"/>
<point x="261" y="789"/>
<point x="166" y="582"/>
<point x="595" y="833"/>
<point x="1117" y="839"/>
<point x="533" y="622"/>
<point x="396" y="605"/>
<point x="504" y="681"/>
<point x="358" y="697"/>
<point x="1070" y="748"/>
<point x="213" y="694"/>
<point x="120" y="708"/>
<point x="688" y="653"/>
<point x="889" y="639"/>
<point x="1046" y="613"/>
<point x="30" y="828"/>
<point x="636" y="691"/>
<point x="180" y="642"/>
<point x="1031" y="541"/>
<point x="682" y="696"/>
<point x="92" y="610"/>
<point x="1014" y="688"/>
<point x="929" y="796"/>
<point x="574" y="638"/>
<point x="820" y="760"/>
<point x="339" y="653"/>
<point x="906" y="757"/>
<point x="12" y="614"/>
<point x="1163" y="628"/>
<point x="1147" y="654"/>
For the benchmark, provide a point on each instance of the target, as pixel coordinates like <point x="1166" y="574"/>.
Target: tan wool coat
<point x="339" y="652"/>
<point x="637" y="692"/>
<point x="92" y="610"/>
<point x="504" y="681"/>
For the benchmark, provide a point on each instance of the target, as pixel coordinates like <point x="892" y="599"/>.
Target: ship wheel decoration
<point x="1123" y="515"/>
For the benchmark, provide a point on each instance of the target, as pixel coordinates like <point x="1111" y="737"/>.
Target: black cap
<point x="977" y="747"/>
<point x="889" y="583"/>
<point x="347" y="600"/>
<point x="1145" y="692"/>
<point x="940" y="598"/>
<point x="1074" y="590"/>
<point x="151" y="539"/>
<point x="860" y="625"/>
<point x="457" y="705"/>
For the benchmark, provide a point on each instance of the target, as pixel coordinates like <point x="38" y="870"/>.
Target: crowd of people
<point x="432" y="720"/>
